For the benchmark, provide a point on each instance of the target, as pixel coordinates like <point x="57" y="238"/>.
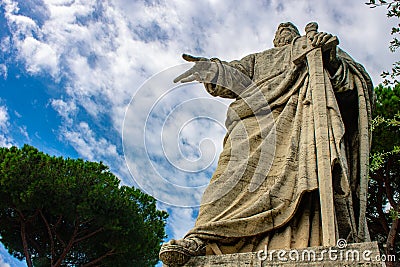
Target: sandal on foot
<point x="173" y="254"/>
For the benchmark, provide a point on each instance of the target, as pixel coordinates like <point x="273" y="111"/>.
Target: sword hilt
<point x="311" y="30"/>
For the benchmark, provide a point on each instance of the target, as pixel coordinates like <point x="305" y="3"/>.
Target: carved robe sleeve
<point x="343" y="79"/>
<point x="232" y="77"/>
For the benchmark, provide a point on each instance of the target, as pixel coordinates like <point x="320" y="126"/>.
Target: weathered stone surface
<point x="293" y="172"/>
<point x="368" y="253"/>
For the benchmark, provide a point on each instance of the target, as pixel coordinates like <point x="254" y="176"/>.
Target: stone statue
<point x="304" y="185"/>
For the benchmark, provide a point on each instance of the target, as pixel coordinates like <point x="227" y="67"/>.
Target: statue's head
<point x="285" y="33"/>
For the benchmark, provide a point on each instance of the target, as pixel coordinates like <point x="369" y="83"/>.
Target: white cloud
<point x="104" y="51"/>
<point x="181" y="218"/>
<point x="67" y="110"/>
<point x="88" y="145"/>
<point x="3" y="117"/>
<point x="24" y="132"/>
<point x="3" y="263"/>
<point x="86" y="141"/>
<point x="39" y="57"/>
<point x="22" y="23"/>
<point x="91" y="146"/>
<point x="234" y="29"/>
<point x="3" y="71"/>
<point x="6" y="260"/>
<point x="172" y="138"/>
<point x="5" y="44"/>
<point x="5" y="138"/>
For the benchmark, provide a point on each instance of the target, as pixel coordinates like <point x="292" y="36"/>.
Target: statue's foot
<point x="178" y="252"/>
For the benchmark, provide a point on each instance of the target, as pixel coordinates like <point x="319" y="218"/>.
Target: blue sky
<point x="93" y="79"/>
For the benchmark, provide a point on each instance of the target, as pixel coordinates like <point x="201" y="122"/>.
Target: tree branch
<point x="95" y="261"/>
<point x="89" y="235"/>
<point x="50" y="237"/>
<point x="32" y="217"/>
<point x="59" y="239"/>
<point x="55" y="230"/>
<point x="389" y="191"/>
<point x="382" y="217"/>
<point x="391" y="239"/>
<point x="58" y="221"/>
<point x="23" y="238"/>
<point x="87" y="221"/>
<point x="35" y="245"/>
<point x="69" y="245"/>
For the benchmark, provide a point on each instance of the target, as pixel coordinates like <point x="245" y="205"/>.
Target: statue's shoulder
<point x="272" y="54"/>
<point x="275" y="50"/>
<point x="343" y="54"/>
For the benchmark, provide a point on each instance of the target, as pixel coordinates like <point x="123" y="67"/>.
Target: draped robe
<point x="265" y="188"/>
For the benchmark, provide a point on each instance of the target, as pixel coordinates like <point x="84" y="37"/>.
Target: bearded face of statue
<point x="285" y="34"/>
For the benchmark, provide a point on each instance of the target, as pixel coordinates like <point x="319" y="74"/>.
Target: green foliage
<point x="71" y="212"/>
<point x="386" y="122"/>
<point x="384" y="190"/>
<point x="393" y="11"/>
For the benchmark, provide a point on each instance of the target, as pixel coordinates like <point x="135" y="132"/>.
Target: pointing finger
<point x="191" y="58"/>
<point x="183" y="75"/>
<point x="190" y="78"/>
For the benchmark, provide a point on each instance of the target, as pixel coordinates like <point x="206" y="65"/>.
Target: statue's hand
<point x="204" y="70"/>
<point x="330" y="58"/>
<point x="320" y="38"/>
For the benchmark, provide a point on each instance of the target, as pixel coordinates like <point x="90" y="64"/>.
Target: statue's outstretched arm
<point x="204" y="70"/>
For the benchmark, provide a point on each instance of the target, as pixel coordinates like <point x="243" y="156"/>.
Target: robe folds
<point x="264" y="191"/>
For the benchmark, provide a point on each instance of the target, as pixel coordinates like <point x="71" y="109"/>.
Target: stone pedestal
<point x="360" y="254"/>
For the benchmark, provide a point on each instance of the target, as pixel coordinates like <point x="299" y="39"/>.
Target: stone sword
<point x="303" y="50"/>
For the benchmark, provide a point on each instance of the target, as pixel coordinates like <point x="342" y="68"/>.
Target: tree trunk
<point x="52" y="249"/>
<point x="68" y="247"/>
<point x="25" y="245"/>
<point x="391" y="239"/>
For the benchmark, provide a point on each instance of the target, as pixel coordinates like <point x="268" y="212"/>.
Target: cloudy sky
<point x="93" y="79"/>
